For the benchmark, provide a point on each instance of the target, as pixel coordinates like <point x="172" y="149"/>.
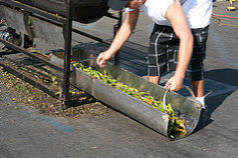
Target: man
<point x="177" y="42"/>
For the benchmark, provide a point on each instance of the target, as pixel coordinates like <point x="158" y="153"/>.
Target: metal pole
<point x="67" y="56"/>
<point x="116" y="28"/>
<point x="29" y="53"/>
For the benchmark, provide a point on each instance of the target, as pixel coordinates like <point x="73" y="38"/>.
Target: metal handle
<point x="166" y="92"/>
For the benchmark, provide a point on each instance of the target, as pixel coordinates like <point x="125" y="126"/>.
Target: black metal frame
<point x="66" y="23"/>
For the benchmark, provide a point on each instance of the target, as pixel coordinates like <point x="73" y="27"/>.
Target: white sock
<point x="201" y="100"/>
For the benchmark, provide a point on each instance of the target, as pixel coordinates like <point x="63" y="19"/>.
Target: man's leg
<point x="154" y="79"/>
<point x="157" y="54"/>
<point x="198" y="88"/>
<point x="196" y="67"/>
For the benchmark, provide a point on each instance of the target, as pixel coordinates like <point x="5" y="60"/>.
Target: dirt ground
<point x="28" y="95"/>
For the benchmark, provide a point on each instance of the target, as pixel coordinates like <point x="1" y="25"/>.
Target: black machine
<point x="22" y="21"/>
<point x="83" y="11"/>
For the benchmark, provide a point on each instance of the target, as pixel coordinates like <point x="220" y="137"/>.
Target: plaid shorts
<point x="163" y="50"/>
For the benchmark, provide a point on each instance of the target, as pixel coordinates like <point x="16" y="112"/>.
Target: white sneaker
<point x="201" y="100"/>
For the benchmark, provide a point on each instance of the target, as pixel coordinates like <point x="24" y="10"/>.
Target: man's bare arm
<point x="121" y="37"/>
<point x="181" y="28"/>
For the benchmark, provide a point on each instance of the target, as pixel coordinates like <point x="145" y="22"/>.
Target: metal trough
<point x="134" y="108"/>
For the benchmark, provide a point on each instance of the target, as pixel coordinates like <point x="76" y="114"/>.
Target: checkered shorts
<point x="162" y="55"/>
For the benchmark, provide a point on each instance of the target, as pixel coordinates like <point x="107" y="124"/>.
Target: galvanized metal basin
<point x="132" y="107"/>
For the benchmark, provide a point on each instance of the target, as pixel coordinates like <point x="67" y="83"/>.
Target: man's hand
<point x="174" y="83"/>
<point x="103" y="58"/>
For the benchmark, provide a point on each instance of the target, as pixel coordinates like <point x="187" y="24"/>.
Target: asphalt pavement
<point x="25" y="133"/>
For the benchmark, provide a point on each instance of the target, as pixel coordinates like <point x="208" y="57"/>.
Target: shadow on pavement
<point x="225" y="76"/>
<point x="132" y="55"/>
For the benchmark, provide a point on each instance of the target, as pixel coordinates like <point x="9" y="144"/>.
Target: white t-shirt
<point x="198" y="12"/>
